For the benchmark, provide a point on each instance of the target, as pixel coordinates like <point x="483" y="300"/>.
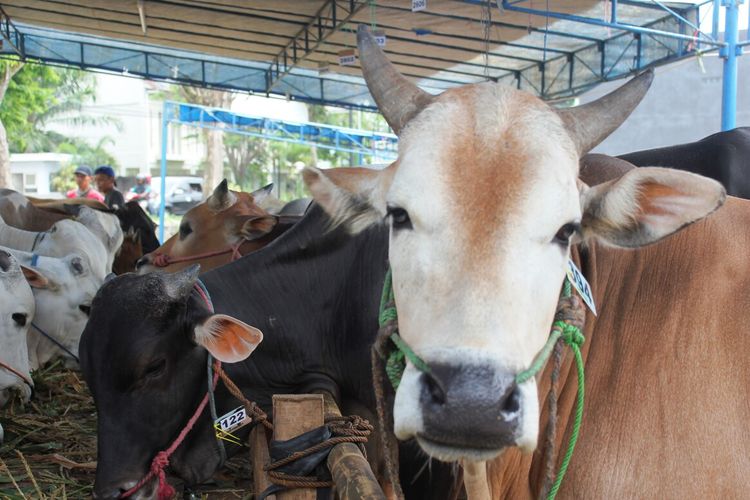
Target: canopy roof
<point x="291" y="47"/>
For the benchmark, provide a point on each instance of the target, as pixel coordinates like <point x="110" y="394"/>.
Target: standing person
<point x="83" y="180"/>
<point x="104" y="176"/>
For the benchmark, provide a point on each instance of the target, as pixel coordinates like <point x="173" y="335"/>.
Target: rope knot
<point x="160" y="461"/>
<point x="571" y="335"/>
<point x="161" y="259"/>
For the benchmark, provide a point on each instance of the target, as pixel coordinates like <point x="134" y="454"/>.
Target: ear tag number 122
<point x="576" y="278"/>
<point x="233" y="420"/>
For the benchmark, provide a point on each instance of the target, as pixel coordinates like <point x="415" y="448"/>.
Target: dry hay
<point x="50" y="445"/>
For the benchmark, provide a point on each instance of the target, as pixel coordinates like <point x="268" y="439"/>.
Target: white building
<point x="137" y="105"/>
<point x="31" y="172"/>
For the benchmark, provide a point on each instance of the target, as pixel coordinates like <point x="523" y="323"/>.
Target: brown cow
<point x="227" y="225"/>
<point x="485" y="207"/>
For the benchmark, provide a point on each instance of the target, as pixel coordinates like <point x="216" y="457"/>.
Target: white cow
<point x="106" y="227"/>
<point x="16" y="314"/>
<point x="63" y="298"/>
<point x="63" y="238"/>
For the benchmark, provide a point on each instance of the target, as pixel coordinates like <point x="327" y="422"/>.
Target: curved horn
<point x="222" y="198"/>
<point x="591" y="123"/>
<point x="397" y="98"/>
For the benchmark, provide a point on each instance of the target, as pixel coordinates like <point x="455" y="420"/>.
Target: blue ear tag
<point x="34" y="259"/>
<point x="576" y="278"/>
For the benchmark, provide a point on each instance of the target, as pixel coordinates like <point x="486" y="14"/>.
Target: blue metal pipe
<point x="507" y="5"/>
<point x="163" y="187"/>
<point x="729" y="53"/>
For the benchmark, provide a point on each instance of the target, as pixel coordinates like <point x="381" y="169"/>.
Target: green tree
<point x="247" y="158"/>
<point x="8" y="69"/>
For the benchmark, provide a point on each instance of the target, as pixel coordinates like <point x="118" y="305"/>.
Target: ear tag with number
<point x="231" y="421"/>
<point x="576" y="278"/>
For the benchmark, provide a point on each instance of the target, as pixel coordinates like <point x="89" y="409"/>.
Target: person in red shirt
<point x="83" y="179"/>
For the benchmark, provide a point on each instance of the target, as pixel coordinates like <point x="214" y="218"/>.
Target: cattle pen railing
<point x="299" y="413"/>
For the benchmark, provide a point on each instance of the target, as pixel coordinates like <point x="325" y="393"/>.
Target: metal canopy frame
<point x="381" y="146"/>
<point x="551" y="61"/>
<point x="729" y="49"/>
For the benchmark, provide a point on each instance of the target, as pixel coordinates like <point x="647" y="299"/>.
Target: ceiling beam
<point x="332" y="16"/>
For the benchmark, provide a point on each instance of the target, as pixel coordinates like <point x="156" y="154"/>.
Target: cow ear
<point x="257" y="227"/>
<point x="260" y="194"/>
<point x="647" y="204"/>
<point x="354" y="197"/>
<point x="226" y="338"/>
<point x="34" y="277"/>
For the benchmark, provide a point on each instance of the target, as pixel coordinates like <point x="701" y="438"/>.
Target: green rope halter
<point x="570" y="334"/>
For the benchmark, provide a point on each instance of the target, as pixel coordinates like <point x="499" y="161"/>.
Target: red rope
<point x="165" y="491"/>
<point x="18" y="374"/>
<point x="163" y="259"/>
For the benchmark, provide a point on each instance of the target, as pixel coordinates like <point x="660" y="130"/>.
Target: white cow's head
<point x="483" y="204"/>
<point x="68" y="236"/>
<point x="63" y="304"/>
<point x="16" y="314"/>
<point x="106" y="227"/>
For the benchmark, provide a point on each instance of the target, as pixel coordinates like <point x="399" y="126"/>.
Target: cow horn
<point x="222" y="198"/>
<point x="397" y="98"/>
<point x="591" y="123"/>
<point x="178" y="285"/>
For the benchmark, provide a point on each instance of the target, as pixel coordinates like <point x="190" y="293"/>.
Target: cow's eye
<point x="155" y="368"/>
<point x="399" y="217"/>
<point x="185" y="230"/>
<point x="563" y="235"/>
<point x="19" y="318"/>
<point x="85" y="309"/>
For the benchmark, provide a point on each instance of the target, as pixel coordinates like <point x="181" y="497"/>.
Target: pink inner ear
<point x="652" y="197"/>
<point x="230" y="341"/>
<point x="35" y="279"/>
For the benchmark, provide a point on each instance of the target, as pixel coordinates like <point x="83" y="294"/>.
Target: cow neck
<point x="301" y="290"/>
<point x="516" y="474"/>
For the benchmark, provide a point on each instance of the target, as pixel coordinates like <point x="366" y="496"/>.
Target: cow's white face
<point x="63" y="304"/>
<point x="16" y="314"/>
<point x="68" y="236"/>
<point x="482" y="204"/>
<point x="477" y="272"/>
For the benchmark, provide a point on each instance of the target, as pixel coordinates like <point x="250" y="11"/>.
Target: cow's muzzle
<point x="468" y="411"/>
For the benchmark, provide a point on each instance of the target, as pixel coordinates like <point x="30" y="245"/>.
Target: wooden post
<point x="259" y="458"/>
<point x="295" y="414"/>
<point x="350" y="470"/>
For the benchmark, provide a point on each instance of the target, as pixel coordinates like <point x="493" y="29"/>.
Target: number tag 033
<point x="233" y="420"/>
<point x="576" y="278"/>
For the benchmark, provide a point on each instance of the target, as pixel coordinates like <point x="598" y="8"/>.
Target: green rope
<point x="396" y="362"/>
<point x="573" y="337"/>
<point x="541" y="358"/>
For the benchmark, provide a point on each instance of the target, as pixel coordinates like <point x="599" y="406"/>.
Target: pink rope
<point x="165" y="491"/>
<point x="163" y="259"/>
<point x="17" y="374"/>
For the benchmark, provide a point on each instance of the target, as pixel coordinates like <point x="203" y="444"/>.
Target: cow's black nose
<point x="142" y="262"/>
<point x="110" y="492"/>
<point x="470" y="406"/>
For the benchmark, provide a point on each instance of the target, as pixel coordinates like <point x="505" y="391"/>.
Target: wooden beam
<point x="259" y="458"/>
<point x="295" y="414"/>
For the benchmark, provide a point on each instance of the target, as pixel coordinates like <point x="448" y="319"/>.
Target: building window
<point x="29" y="185"/>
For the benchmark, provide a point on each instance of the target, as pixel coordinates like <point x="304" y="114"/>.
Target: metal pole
<point x="163" y="187"/>
<point x="729" y="53"/>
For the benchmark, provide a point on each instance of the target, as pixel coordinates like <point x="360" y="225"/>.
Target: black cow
<point x="314" y="293"/>
<point x="133" y="217"/>
<point x="724" y="156"/>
